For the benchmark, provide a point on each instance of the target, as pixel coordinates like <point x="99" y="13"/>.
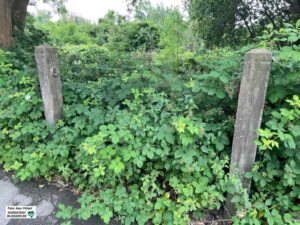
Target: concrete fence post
<point x="251" y="102"/>
<point x="50" y="83"/>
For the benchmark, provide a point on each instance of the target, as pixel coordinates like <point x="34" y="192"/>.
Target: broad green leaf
<point x="235" y="199"/>
<point x="188" y="156"/>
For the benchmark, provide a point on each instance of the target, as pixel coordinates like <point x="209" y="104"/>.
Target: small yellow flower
<point x="191" y="83"/>
<point x="167" y="195"/>
<point x="181" y="127"/>
<point x="5" y="131"/>
<point x="36" y="138"/>
<point x="33" y="155"/>
<point x="89" y="149"/>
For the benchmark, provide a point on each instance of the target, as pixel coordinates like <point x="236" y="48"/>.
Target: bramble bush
<point x="276" y="175"/>
<point x="84" y="62"/>
<point x="147" y="140"/>
<point x="147" y="144"/>
<point x="92" y="62"/>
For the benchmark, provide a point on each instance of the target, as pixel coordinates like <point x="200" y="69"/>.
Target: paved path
<point x="46" y="199"/>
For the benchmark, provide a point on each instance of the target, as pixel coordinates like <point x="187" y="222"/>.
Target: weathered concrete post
<point x="249" y="114"/>
<point x="50" y="83"/>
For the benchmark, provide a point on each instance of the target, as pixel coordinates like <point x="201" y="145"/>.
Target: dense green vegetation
<point x="231" y="22"/>
<point x="148" y="119"/>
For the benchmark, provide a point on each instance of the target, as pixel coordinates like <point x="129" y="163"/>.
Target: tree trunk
<point x="296" y="10"/>
<point x="12" y="14"/>
<point x="5" y="23"/>
<point x="19" y="10"/>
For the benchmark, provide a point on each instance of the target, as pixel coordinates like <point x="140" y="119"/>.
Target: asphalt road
<point x="46" y="199"/>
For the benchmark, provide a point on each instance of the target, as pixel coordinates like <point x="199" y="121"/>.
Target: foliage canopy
<point x="148" y="117"/>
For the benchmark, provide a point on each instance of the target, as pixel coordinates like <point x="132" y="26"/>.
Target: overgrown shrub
<point x="165" y="144"/>
<point x="92" y="62"/>
<point x="134" y="36"/>
<point x="144" y="143"/>
<point x="66" y="32"/>
<point x="276" y="175"/>
<point x="84" y="62"/>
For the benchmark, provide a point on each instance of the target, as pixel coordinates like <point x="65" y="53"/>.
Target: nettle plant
<point x="153" y="161"/>
<point x="276" y="175"/>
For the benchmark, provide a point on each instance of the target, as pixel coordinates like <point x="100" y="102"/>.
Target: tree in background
<point x="12" y="13"/>
<point x="223" y="22"/>
<point x="107" y="25"/>
<point x="144" y="10"/>
<point x="215" y="18"/>
<point x="13" y="16"/>
<point x="255" y="15"/>
<point x="43" y="16"/>
<point x="132" y="36"/>
<point x="171" y="26"/>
